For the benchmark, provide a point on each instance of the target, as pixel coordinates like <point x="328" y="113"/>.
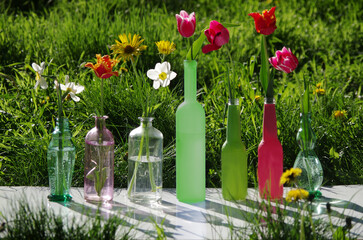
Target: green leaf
<point x="339" y="233"/>
<point x="197" y="45"/>
<point x="90" y="177"/>
<point x="264" y="74"/>
<point x="231" y="25"/>
<point x="252" y="65"/>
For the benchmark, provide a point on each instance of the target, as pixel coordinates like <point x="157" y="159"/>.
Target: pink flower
<point x="284" y="61"/>
<point x="217" y="35"/>
<point x="186" y="23"/>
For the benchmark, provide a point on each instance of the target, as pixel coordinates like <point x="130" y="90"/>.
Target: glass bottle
<point x="311" y="177"/>
<point x="145" y="155"/>
<point x="270" y="156"/>
<point x="234" y="157"/>
<point x="190" y="141"/>
<point x="61" y="157"/>
<point x="99" y="163"/>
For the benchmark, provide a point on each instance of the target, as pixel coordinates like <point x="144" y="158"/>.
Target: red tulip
<point x="103" y="68"/>
<point x="284" y="61"/>
<point x="265" y="23"/>
<point x="217" y="35"/>
<point x="186" y="23"/>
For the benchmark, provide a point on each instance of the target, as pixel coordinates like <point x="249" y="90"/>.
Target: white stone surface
<point x="210" y="219"/>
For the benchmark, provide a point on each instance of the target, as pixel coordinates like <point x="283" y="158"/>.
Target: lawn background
<point x="326" y="36"/>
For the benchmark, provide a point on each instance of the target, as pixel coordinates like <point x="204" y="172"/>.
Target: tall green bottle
<point x="234" y="158"/>
<point x="190" y="141"/>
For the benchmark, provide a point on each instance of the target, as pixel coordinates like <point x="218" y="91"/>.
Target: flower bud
<point x="186" y="23"/>
<point x="284" y="61"/>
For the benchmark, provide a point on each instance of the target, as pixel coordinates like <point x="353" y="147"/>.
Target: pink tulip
<point x="186" y="23"/>
<point x="284" y="61"/>
<point x="217" y="35"/>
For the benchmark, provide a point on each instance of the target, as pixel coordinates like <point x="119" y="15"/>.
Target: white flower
<point x="72" y="89"/>
<point x="161" y="75"/>
<point x="39" y="71"/>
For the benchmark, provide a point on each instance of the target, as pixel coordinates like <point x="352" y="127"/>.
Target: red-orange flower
<point x="103" y="67"/>
<point x="265" y="23"/>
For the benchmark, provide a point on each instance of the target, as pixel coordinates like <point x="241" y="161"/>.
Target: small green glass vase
<point x="61" y="157"/>
<point x="234" y="158"/>
<point x="312" y="172"/>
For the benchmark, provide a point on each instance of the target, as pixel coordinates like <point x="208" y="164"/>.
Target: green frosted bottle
<point x="234" y="158"/>
<point x="190" y="141"/>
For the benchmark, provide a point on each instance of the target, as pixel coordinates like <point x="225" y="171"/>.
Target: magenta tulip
<point x="186" y="23"/>
<point x="217" y="35"/>
<point x="284" y="61"/>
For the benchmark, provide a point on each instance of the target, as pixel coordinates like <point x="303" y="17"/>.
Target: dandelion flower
<point x="161" y="75"/>
<point x="129" y="47"/>
<point x="72" y="89"/>
<point x="340" y="114"/>
<point x="297" y="194"/>
<point x="165" y="47"/>
<point x="318" y="85"/>
<point x="39" y="71"/>
<point x="290" y="175"/>
<point x="258" y="98"/>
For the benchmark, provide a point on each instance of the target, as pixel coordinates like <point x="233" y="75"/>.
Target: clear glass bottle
<point x="145" y="155"/>
<point x="190" y="141"/>
<point x="99" y="163"/>
<point x="311" y="177"/>
<point x="270" y="156"/>
<point x="234" y="157"/>
<point x="61" y="157"/>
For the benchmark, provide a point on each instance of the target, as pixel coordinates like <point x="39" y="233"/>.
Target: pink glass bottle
<point x="99" y="163"/>
<point x="270" y="157"/>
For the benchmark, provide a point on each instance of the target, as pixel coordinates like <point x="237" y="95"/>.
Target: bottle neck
<point x="62" y="128"/>
<point x="100" y="122"/>
<point x="233" y="123"/>
<point x="146" y="121"/>
<point x="190" y="80"/>
<point x="269" y="122"/>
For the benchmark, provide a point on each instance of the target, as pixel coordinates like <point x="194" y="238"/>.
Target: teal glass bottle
<point x="311" y="177"/>
<point x="234" y="158"/>
<point x="190" y="141"/>
<point x="61" y="157"/>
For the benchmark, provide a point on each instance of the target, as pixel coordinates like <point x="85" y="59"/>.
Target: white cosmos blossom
<point x="71" y="88"/>
<point x="39" y="71"/>
<point x="161" y="75"/>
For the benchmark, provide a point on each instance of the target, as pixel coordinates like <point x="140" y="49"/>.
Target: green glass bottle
<point x="190" y="141"/>
<point x="234" y="158"/>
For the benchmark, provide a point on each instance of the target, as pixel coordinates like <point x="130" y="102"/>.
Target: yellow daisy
<point x="129" y="47"/>
<point x="165" y="47"/>
<point x="290" y="175"/>
<point x="297" y="194"/>
<point x="340" y="114"/>
<point x="258" y="98"/>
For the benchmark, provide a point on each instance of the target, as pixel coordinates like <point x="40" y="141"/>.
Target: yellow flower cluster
<point x="128" y="48"/>
<point x="165" y="47"/>
<point x="289" y="176"/>
<point x="297" y="194"/>
<point x="340" y="114"/>
<point x="319" y="90"/>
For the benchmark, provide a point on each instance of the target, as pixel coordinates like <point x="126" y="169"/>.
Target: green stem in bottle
<point x="60" y="172"/>
<point x="267" y="82"/>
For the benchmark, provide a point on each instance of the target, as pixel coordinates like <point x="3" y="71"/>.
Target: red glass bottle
<point x="270" y="157"/>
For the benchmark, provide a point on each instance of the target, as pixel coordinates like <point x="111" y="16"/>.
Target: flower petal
<point x="172" y="75"/>
<point x="210" y="47"/>
<point x="156" y="84"/>
<point x="43" y="83"/>
<point x="152" y="74"/>
<point x="78" y="88"/>
<point x="74" y="97"/>
<point x="36" y="67"/>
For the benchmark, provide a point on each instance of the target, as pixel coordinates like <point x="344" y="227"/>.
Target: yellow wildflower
<point x="340" y="114"/>
<point x="320" y="91"/>
<point x="290" y="175"/>
<point x="318" y="85"/>
<point x="258" y="98"/>
<point x="297" y="194"/>
<point x="129" y="47"/>
<point x="165" y="47"/>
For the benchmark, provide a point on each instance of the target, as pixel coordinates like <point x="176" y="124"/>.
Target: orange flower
<point x="265" y="23"/>
<point x="340" y="114"/>
<point x="103" y="67"/>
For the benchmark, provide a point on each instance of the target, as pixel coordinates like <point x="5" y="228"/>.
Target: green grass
<point x="326" y="37"/>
